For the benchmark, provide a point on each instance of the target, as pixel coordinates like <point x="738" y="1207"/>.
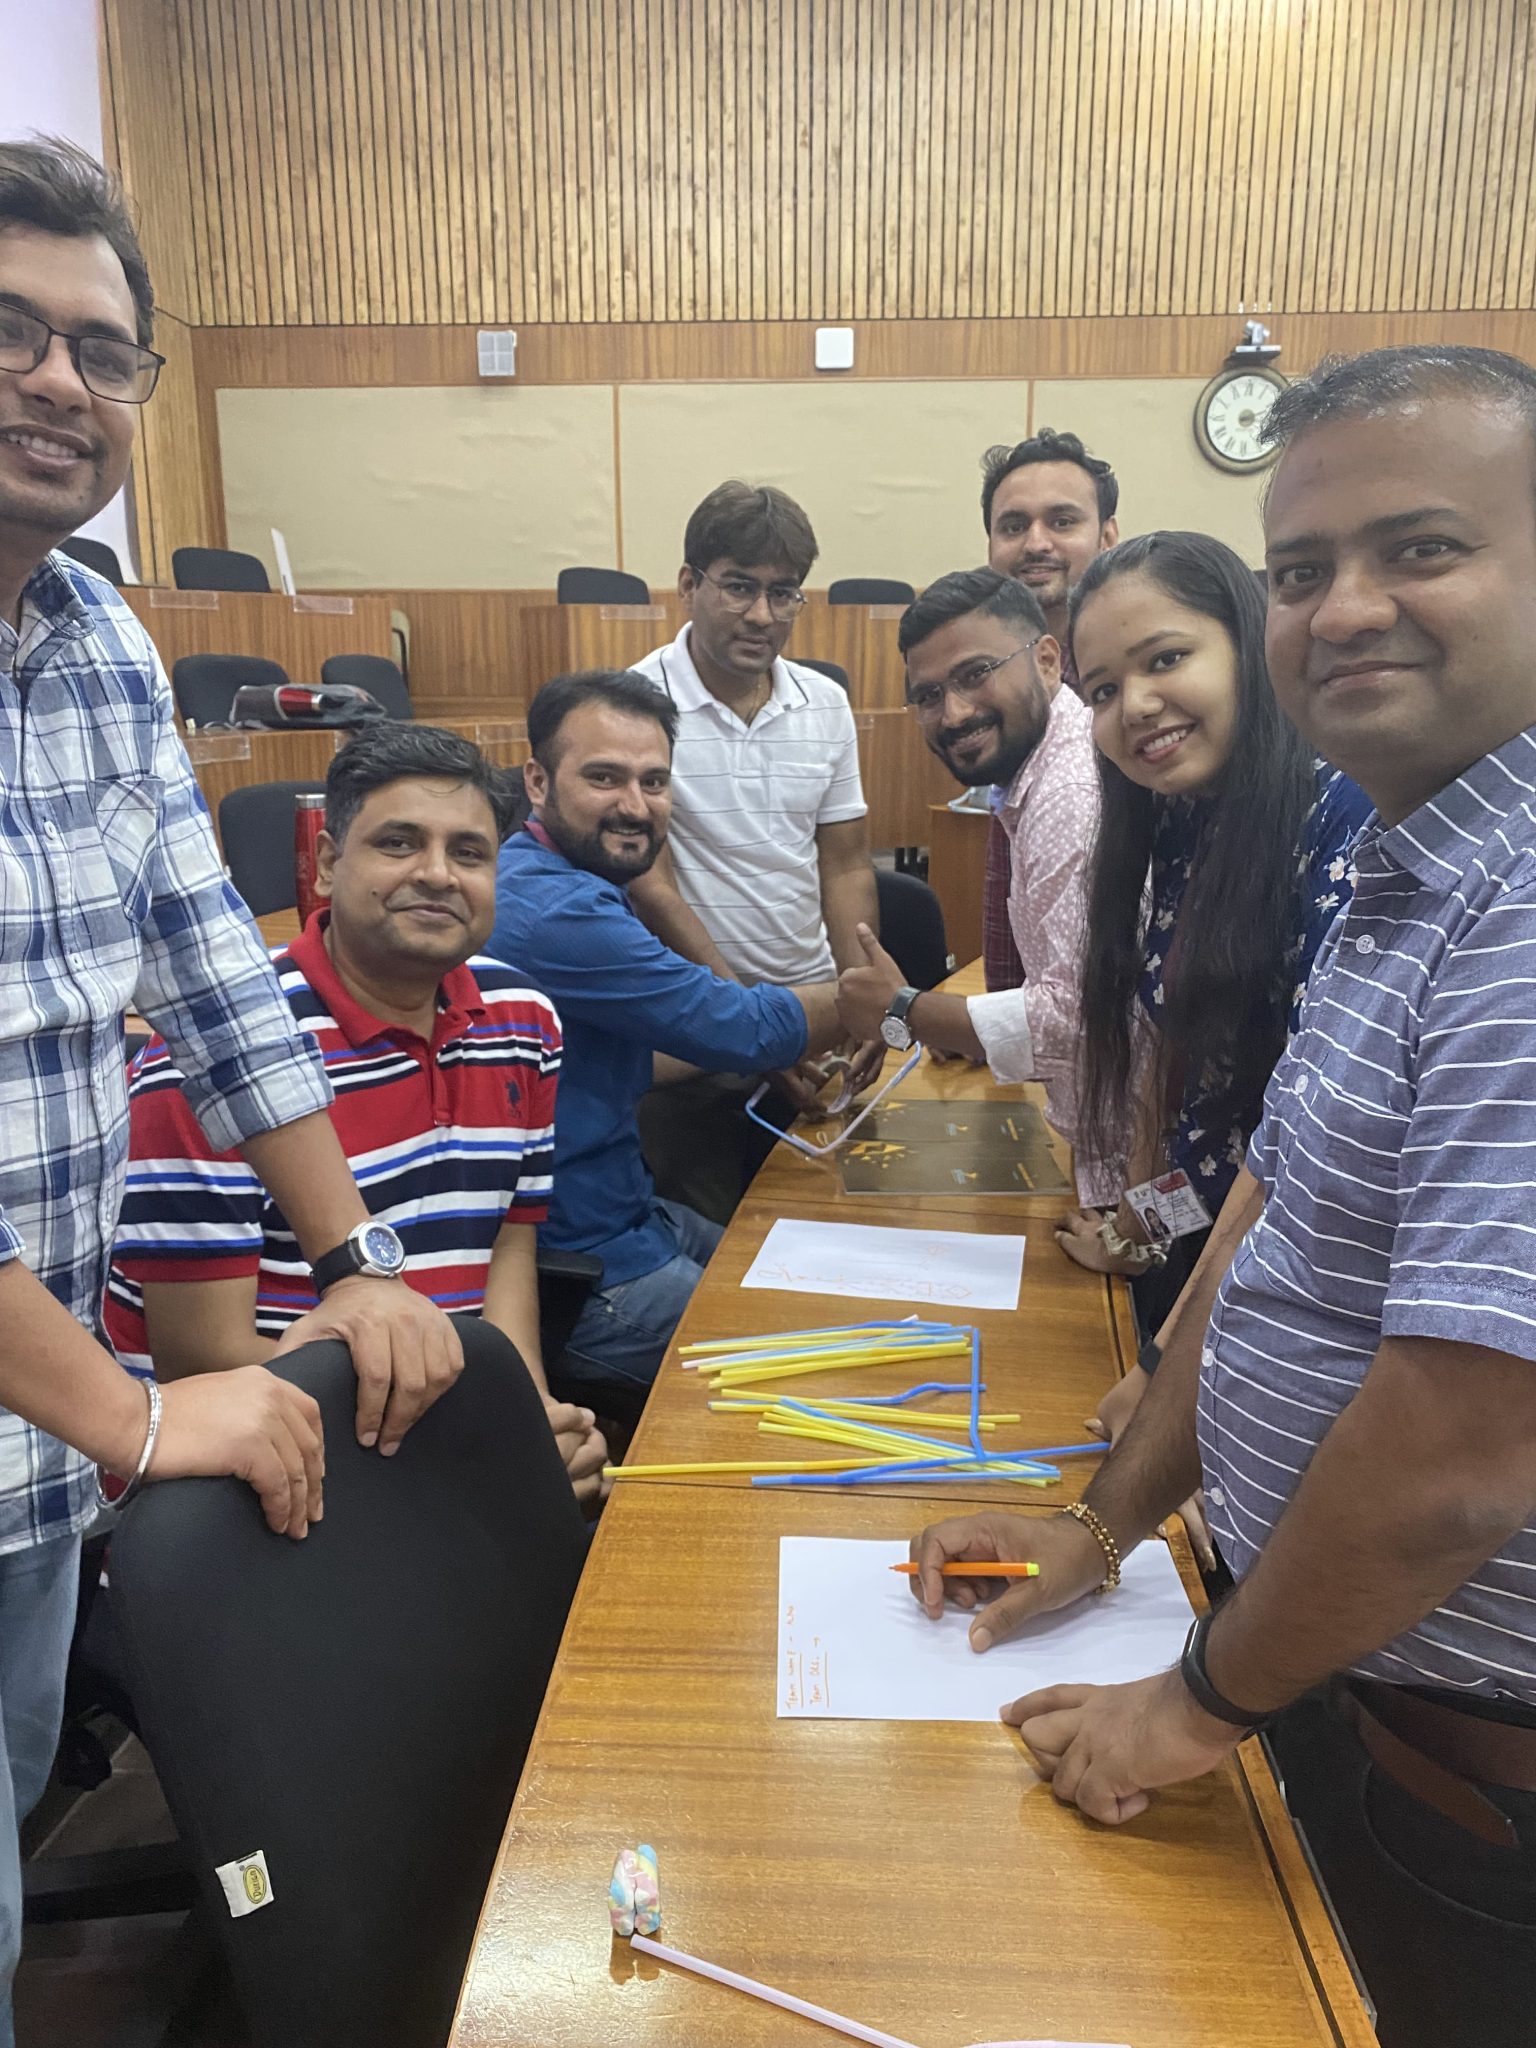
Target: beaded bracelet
<point x="1097" y="1528"/>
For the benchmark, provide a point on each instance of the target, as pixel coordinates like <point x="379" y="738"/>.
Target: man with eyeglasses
<point x="769" y="876"/>
<point x="984" y="682"/>
<point x="111" y="895"/>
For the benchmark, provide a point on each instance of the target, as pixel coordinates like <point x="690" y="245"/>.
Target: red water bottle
<point x="308" y="823"/>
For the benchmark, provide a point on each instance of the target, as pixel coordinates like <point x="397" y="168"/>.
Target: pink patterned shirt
<point x="1051" y="814"/>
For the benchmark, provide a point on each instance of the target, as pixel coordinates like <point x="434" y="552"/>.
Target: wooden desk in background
<point x="957" y="868"/>
<point x="298" y="633"/>
<point x="912" y="1875"/>
<point x="476" y="651"/>
<point x="899" y="773"/>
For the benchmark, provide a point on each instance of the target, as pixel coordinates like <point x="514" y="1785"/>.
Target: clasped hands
<point x="1102" y="1748"/>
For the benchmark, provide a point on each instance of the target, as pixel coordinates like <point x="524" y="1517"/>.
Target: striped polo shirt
<point x="448" y="1142"/>
<point x="1398" y="1159"/>
<point x="747" y="801"/>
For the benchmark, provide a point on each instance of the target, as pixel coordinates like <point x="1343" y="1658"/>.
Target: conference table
<point x="914" y="1876"/>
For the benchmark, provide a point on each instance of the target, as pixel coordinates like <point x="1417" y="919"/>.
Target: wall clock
<point x="1228" y="415"/>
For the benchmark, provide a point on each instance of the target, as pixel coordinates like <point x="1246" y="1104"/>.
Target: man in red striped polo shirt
<point x="444" y="1069"/>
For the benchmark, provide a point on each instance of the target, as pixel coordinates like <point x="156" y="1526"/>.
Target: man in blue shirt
<point x="1351" y="1370"/>
<point x="633" y="1012"/>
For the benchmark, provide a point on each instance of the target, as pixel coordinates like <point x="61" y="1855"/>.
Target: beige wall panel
<point x="422" y="488"/>
<point x="889" y="473"/>
<point x="1144" y="426"/>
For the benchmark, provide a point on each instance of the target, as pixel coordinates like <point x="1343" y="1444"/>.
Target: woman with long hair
<point x="1222" y="859"/>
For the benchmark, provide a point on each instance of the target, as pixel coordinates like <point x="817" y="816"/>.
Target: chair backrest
<point x="870" y="590"/>
<point x="95" y="554"/>
<point x="601" y="586"/>
<point x="218" y="569"/>
<point x="912" y="927"/>
<point x="357" y="1706"/>
<point x="829" y="669"/>
<point x="374" y="673"/>
<point x="256" y="831"/>
<point x="205" y="684"/>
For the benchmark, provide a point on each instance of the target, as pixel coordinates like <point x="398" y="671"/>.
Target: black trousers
<point x="1443" y="1925"/>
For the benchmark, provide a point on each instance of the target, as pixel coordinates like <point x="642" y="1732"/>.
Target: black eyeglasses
<point x="927" y="700"/>
<point x="107" y="367"/>
<point x="740" y="593"/>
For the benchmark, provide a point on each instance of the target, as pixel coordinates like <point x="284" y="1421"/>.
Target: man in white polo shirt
<point x="770" y="874"/>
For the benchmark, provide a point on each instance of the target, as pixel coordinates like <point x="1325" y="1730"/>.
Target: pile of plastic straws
<point x="746" y="1375"/>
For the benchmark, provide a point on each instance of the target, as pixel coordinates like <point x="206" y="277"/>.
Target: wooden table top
<point x="915" y="1876"/>
<point x="1051" y="1361"/>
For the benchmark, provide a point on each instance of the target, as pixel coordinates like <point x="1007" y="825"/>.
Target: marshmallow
<point x="634" y="1894"/>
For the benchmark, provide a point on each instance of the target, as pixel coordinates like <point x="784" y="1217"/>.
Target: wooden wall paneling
<point x="611" y="161"/>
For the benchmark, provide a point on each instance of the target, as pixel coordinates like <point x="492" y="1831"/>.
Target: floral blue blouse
<point x="1325" y="880"/>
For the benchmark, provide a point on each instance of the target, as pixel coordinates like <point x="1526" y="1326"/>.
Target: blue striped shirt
<point x="111" y="895"/>
<point x="1398" y="1159"/>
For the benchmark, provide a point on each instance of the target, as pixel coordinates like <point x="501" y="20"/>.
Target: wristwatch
<point x="1204" y="1694"/>
<point x="894" y="1028"/>
<point x="372" y="1248"/>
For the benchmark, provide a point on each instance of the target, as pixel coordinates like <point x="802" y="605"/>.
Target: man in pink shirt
<point x="984" y="683"/>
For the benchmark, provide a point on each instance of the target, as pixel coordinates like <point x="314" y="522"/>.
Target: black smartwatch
<point x="372" y="1248"/>
<point x="1192" y="1671"/>
<point x="894" y="1028"/>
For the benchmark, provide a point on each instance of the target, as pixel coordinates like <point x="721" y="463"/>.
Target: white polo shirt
<point x="746" y="804"/>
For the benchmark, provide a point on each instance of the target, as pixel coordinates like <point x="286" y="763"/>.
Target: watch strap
<point x="901" y="1003"/>
<point x="1192" y="1671"/>
<point x="336" y="1265"/>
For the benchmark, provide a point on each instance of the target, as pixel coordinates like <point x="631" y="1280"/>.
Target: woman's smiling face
<point x="1161" y="682"/>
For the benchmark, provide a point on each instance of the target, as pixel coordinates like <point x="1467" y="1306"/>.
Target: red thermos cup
<point x="308" y="821"/>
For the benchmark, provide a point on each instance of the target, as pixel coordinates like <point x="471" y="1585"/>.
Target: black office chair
<point x="870" y="590"/>
<point x="256" y="832"/>
<point x="356" y="1707"/>
<point x="600" y="586"/>
<point x="912" y="928"/>
<point x="829" y="669"/>
<point x="94" y="554"/>
<point x="218" y="569"/>
<point x="374" y="673"/>
<point x="205" y="684"/>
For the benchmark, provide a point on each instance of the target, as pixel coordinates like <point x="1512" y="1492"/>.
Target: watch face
<point x="896" y="1033"/>
<point x="382" y="1247"/>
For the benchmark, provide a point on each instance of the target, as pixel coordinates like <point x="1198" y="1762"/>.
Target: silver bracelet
<point x="115" y="1507"/>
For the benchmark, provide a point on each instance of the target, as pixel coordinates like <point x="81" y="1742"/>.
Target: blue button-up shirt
<point x="622" y="996"/>
<point x="111" y="896"/>
<point x="1398" y="1159"/>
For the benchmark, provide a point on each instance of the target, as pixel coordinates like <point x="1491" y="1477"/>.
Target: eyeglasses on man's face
<point x="740" y="593"/>
<point x="106" y="366"/>
<point x="927" y="699"/>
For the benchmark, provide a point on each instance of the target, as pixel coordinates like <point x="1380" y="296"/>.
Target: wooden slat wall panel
<point x="362" y="162"/>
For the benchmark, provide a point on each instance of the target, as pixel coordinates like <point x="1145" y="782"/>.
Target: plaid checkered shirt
<point x="112" y="896"/>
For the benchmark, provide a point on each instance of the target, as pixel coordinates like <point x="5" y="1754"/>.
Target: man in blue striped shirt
<point x="1351" y="1369"/>
<point x="111" y="895"/>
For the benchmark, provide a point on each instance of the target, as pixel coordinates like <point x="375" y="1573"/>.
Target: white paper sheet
<point x="957" y="1268"/>
<point x="855" y="1646"/>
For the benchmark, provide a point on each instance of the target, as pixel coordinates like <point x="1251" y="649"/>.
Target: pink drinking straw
<point x="766" y="1992"/>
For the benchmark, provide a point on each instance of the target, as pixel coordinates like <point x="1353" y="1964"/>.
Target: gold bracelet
<point x="1096" y="1527"/>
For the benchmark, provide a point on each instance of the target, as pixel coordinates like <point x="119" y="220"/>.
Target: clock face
<point x="1228" y="415"/>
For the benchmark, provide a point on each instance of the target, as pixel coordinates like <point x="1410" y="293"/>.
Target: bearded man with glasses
<point x="984" y="683"/>
<point x="768" y="875"/>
